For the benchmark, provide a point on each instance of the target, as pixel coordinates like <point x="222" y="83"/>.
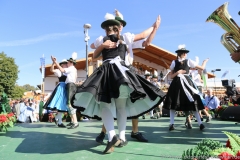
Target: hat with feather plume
<point x="109" y="20"/>
<point x="182" y="49"/>
<point x="64" y="61"/>
<point x="155" y="74"/>
<point x="119" y="17"/>
<point x="147" y="73"/>
<point x="73" y="58"/>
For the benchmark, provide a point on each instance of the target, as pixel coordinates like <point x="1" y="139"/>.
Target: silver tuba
<point x="230" y="39"/>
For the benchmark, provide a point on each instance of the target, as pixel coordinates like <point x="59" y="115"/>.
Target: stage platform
<point x="45" y="141"/>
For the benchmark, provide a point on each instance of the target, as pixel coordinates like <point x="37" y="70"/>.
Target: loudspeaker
<point x="231" y="113"/>
<point x="165" y="113"/>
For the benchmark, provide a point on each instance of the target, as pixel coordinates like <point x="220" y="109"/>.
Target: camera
<point x="230" y="87"/>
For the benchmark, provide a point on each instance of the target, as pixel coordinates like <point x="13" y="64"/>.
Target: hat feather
<point x="197" y="60"/>
<point x="118" y="14"/>
<point x="181" y="46"/>
<point x="109" y="16"/>
<point x="155" y="73"/>
<point x="74" y="55"/>
<point x="146" y="72"/>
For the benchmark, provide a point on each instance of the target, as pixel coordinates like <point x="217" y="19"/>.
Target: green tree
<point x="18" y="92"/>
<point x="28" y="87"/>
<point x="8" y="74"/>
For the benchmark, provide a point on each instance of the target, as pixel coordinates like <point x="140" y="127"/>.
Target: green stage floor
<point x="44" y="141"/>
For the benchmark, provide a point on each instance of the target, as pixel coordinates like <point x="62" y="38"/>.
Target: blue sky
<point x="31" y="28"/>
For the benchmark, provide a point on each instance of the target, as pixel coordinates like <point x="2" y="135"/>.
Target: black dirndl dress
<point x="108" y="81"/>
<point x="176" y="98"/>
<point x="58" y="99"/>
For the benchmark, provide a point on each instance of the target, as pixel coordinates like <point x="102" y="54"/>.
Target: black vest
<point x="181" y="65"/>
<point x="114" y="52"/>
<point x="62" y="78"/>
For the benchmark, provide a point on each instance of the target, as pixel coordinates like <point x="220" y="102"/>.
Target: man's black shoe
<point x="55" y="121"/>
<point x="122" y="143"/>
<point x="73" y="126"/>
<point x="201" y="127"/>
<point x="61" y="125"/>
<point x="153" y="117"/>
<point x="171" y="127"/>
<point x="208" y="119"/>
<point x="139" y="137"/>
<point x="100" y="138"/>
<point x="69" y="124"/>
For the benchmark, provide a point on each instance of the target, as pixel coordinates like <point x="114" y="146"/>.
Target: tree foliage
<point x="28" y="87"/>
<point x="18" y="92"/>
<point x="8" y="74"/>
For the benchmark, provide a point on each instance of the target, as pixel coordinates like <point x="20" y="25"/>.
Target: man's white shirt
<point x="71" y="73"/>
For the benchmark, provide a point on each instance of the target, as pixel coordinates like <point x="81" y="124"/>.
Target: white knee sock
<point x="151" y="113"/>
<point x="59" y="117"/>
<point x="172" y="115"/>
<point x="121" y="117"/>
<point x="196" y="114"/>
<point x="108" y="120"/>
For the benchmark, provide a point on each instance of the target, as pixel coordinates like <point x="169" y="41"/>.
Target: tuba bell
<point x="230" y="39"/>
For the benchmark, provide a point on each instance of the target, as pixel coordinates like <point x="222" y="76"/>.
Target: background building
<point x="150" y="58"/>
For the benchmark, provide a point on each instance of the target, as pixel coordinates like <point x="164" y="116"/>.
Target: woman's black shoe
<point x="61" y="125"/>
<point x="110" y="145"/>
<point x="171" y="127"/>
<point x="139" y="137"/>
<point x="188" y="124"/>
<point x="201" y="127"/>
<point x="100" y="138"/>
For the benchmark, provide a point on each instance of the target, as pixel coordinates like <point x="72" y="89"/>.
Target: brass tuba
<point x="231" y="39"/>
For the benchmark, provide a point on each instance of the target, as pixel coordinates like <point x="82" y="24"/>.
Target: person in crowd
<point x="197" y="79"/>
<point x="25" y="111"/>
<point x="41" y="104"/>
<point x="17" y="108"/>
<point x="158" y="109"/>
<point x="36" y="110"/>
<point x="212" y="102"/>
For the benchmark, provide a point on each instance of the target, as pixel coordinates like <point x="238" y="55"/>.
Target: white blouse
<point x="128" y="39"/>
<point x="190" y="63"/>
<point x="58" y="73"/>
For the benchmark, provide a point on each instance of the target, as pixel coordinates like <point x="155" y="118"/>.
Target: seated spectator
<point x="25" y="112"/>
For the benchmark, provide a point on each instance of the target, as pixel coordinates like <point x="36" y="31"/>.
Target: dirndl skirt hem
<point x="107" y="83"/>
<point x="58" y="99"/>
<point x="176" y="99"/>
